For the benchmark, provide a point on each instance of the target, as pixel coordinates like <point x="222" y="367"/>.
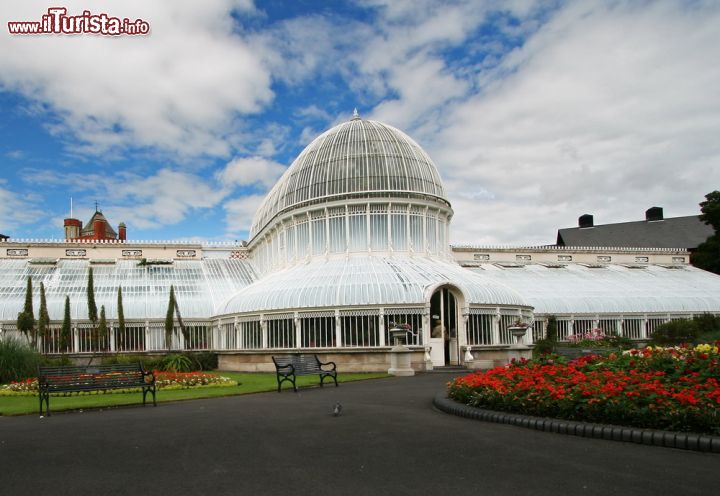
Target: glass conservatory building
<point x="352" y="240"/>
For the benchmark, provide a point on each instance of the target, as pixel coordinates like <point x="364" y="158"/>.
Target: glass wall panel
<point x="337" y="234"/>
<point x="251" y="334"/>
<point x="378" y="232"/>
<point x="281" y="333"/>
<point x="399" y="232"/>
<point x="416" y="233"/>
<point x="358" y="232"/>
<point x="430" y="232"/>
<point x="632" y="328"/>
<point x="317" y="332"/>
<point x="479" y="329"/>
<point x="359" y="331"/>
<point x="414" y="320"/>
<point x="319" y="236"/>
<point x="303" y="238"/>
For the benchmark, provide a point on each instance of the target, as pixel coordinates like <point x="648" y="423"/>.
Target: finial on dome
<point x="355" y="116"/>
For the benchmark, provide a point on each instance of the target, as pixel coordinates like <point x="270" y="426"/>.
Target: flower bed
<point x="660" y="388"/>
<point x="163" y="380"/>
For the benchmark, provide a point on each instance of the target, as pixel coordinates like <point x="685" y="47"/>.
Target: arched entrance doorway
<point x="444" y="326"/>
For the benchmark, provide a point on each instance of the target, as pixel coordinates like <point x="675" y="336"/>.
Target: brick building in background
<point x="97" y="228"/>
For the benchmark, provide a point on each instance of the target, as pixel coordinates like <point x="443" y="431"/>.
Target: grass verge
<point x="248" y="383"/>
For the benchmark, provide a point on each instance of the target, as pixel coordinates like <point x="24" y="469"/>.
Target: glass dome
<point x="358" y="158"/>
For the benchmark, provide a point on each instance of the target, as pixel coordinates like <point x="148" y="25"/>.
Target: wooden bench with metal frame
<point x="66" y="379"/>
<point x="288" y="367"/>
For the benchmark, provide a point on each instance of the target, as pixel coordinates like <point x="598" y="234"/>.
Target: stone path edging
<point x="680" y="440"/>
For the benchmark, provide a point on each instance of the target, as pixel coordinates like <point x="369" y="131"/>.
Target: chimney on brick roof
<point x="585" y="220"/>
<point x="654" y="214"/>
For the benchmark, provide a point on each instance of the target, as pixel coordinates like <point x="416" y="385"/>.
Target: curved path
<point x="388" y="440"/>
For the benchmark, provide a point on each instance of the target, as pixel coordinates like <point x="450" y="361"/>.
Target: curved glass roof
<point x="356" y="157"/>
<point x="199" y="287"/>
<point x="363" y="281"/>
<point x="613" y="289"/>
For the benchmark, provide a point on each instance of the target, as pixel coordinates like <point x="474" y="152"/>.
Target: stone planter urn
<point x="518" y="333"/>
<point x="400" y="354"/>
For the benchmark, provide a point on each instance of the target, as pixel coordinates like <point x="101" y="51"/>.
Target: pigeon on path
<point x="337" y="409"/>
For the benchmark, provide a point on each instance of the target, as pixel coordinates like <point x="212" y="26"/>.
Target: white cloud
<point x="16" y="210"/>
<point x="239" y="214"/>
<point x="605" y="110"/>
<point x="177" y="89"/>
<point x="249" y="171"/>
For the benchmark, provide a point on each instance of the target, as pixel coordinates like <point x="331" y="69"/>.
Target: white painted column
<point x="381" y="327"/>
<point x="643" y="329"/>
<point x="298" y="329"/>
<point x="75" y="340"/>
<point x="338" y="330"/>
<point x="238" y="334"/>
<point x="263" y="327"/>
<point x="462" y="336"/>
<point x="111" y="330"/>
<point x="149" y="345"/>
<point x="496" y="327"/>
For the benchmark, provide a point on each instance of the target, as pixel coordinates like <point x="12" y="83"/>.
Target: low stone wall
<point x="363" y="360"/>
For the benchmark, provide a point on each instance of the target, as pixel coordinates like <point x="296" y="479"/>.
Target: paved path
<point x="388" y="440"/>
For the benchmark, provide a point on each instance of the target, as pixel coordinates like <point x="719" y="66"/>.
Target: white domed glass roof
<point x="356" y="158"/>
<point x="365" y="281"/>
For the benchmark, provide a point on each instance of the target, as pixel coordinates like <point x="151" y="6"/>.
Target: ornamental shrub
<point x="177" y="363"/>
<point x="204" y="360"/>
<point x="675" y="332"/>
<point x="18" y="360"/>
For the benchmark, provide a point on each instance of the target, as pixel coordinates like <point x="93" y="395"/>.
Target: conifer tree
<point x="92" y="310"/>
<point x="92" y="307"/>
<point x="169" y="321"/>
<point x="103" y="335"/>
<point x="44" y="318"/>
<point x="121" y="321"/>
<point x="26" y="318"/>
<point x="66" y="332"/>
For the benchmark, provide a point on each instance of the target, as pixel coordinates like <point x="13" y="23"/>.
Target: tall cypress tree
<point x="44" y="318"/>
<point x="92" y="310"/>
<point x="26" y="318"/>
<point x="92" y="307"/>
<point x="66" y="332"/>
<point x="169" y="321"/>
<point x="103" y="335"/>
<point x="121" y="321"/>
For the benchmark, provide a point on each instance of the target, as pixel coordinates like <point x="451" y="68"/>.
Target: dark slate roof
<point x="89" y="229"/>
<point x="2" y="236"/>
<point x="674" y="232"/>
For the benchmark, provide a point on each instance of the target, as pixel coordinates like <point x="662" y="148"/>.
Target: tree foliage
<point x="66" y="332"/>
<point x="44" y="317"/>
<point x="169" y="319"/>
<point x="103" y="335"/>
<point x="26" y="318"/>
<point x="92" y="307"/>
<point x="121" y="321"/>
<point x="707" y="255"/>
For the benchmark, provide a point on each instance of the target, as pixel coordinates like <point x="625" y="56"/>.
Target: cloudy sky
<point x="534" y="112"/>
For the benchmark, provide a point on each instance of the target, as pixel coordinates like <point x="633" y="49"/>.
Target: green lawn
<point x="248" y="383"/>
